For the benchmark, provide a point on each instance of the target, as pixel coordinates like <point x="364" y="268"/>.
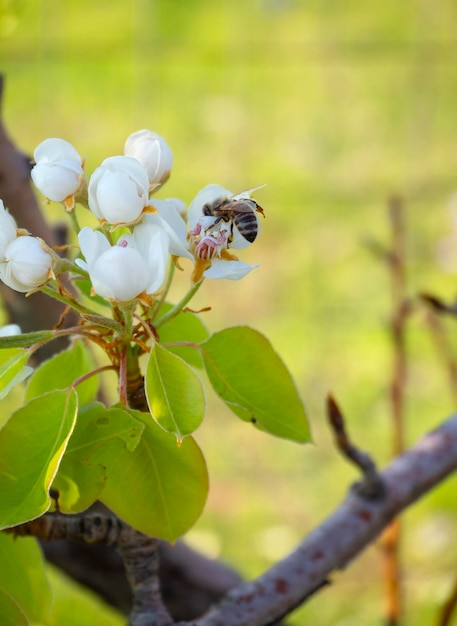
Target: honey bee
<point x="237" y="211"/>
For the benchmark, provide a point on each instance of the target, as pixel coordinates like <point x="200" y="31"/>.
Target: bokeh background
<point x="336" y="105"/>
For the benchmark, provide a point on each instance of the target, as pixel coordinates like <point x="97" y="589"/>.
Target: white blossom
<point x="58" y="172"/>
<point x="136" y="264"/>
<point x="211" y="237"/>
<point x="208" y="195"/>
<point x="27" y="264"/>
<point x="8" y="230"/>
<point x="119" y="190"/>
<point x="153" y="152"/>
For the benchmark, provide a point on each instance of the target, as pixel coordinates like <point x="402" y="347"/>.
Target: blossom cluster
<point x="127" y="255"/>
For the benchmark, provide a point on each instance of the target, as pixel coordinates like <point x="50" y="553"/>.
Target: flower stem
<point x="158" y="305"/>
<point x="50" y="291"/>
<point x="74" y="221"/>
<point x="178" y="307"/>
<point x="126" y="310"/>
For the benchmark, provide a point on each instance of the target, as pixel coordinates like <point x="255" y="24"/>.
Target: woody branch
<point x="343" y="535"/>
<point x="354" y="525"/>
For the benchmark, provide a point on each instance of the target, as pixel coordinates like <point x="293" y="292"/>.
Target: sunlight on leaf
<point x="13" y="368"/>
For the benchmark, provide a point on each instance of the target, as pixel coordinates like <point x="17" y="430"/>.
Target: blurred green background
<point x="336" y="105"/>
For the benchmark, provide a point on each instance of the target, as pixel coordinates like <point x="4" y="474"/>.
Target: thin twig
<point x="445" y="615"/>
<point x="401" y="308"/>
<point x="372" y="486"/>
<point x="438" y="334"/>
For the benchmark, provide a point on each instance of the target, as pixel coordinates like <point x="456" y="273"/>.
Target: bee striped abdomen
<point x="246" y="224"/>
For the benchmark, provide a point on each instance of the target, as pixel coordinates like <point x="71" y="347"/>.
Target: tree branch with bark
<point x="150" y="565"/>
<point x="340" y="538"/>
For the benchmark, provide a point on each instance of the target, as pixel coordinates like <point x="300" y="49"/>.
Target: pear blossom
<point x="209" y="195"/>
<point x="8" y="230"/>
<point x="135" y="265"/>
<point x="119" y="190"/>
<point x="27" y="264"/>
<point x="58" y="172"/>
<point x="211" y="237"/>
<point x="153" y="152"/>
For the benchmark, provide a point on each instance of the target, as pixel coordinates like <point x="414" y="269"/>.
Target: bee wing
<point x="242" y="195"/>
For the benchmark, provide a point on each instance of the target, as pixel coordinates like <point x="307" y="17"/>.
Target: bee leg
<point x="230" y="237"/>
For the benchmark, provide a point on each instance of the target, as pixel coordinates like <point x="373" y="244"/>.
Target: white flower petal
<point x="27" y="265"/>
<point x="153" y="152"/>
<point x="92" y="243"/>
<point x="55" y="150"/>
<point x="58" y="172"/>
<point x="8" y="230"/>
<point x="118" y="190"/>
<point x="119" y="274"/>
<point x="152" y="242"/>
<point x="173" y="224"/>
<point x="55" y="181"/>
<point x="129" y="165"/>
<point x="232" y="270"/>
<point x="208" y="194"/>
<point x="9" y="330"/>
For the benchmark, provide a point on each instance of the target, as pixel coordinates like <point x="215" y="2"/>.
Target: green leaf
<point x="60" y="372"/>
<point x="13" y="368"/>
<point x="253" y="381"/>
<point x="159" y="488"/>
<point x="185" y="327"/>
<point x="74" y="605"/>
<point x="23" y="577"/>
<point x="79" y="480"/>
<point x="175" y="394"/>
<point x="10" y="611"/>
<point x="26" y="339"/>
<point x="32" y="443"/>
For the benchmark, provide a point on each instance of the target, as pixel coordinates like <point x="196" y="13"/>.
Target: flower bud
<point x="58" y="172"/>
<point x="153" y="152"/>
<point x="9" y="330"/>
<point x="8" y="230"/>
<point x="27" y="264"/>
<point x="118" y="190"/>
